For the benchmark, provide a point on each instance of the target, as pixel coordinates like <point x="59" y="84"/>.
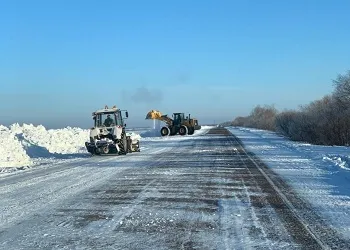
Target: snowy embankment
<point x="12" y="152"/>
<point x="320" y="174"/>
<point x="27" y="145"/>
<point x="23" y="146"/>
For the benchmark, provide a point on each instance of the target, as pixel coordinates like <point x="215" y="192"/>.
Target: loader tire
<point x="183" y="130"/>
<point x="165" y="131"/>
<point x="123" y="144"/>
<point x="191" y="131"/>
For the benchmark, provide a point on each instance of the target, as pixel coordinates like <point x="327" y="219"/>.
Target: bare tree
<point x="264" y="117"/>
<point x="260" y="117"/>
<point x="241" y="121"/>
<point x="325" y="121"/>
<point x="342" y="89"/>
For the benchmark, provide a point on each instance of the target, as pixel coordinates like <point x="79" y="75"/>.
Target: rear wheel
<point x="165" y="131"/>
<point x="183" y="130"/>
<point x="137" y="147"/>
<point x="129" y="144"/>
<point x="123" y="144"/>
<point x="95" y="151"/>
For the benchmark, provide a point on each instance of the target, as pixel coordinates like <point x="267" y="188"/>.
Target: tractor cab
<point x="108" y="136"/>
<point x="109" y="117"/>
<point x="178" y="118"/>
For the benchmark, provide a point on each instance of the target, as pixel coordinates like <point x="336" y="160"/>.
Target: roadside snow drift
<point x="21" y="146"/>
<point x="12" y="152"/>
<point x="56" y="141"/>
<point x="27" y="145"/>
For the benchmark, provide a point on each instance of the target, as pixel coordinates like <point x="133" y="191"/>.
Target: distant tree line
<point x="325" y="121"/>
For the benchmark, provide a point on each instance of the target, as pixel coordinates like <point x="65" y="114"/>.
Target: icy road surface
<point x="203" y="192"/>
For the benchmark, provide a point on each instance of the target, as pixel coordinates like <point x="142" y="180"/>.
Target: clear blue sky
<point x="61" y="60"/>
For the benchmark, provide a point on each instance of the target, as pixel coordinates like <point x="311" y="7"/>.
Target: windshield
<point x="108" y="119"/>
<point x="178" y="118"/>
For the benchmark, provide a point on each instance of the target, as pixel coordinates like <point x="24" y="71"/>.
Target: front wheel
<point x="183" y="130"/>
<point x="165" y="131"/>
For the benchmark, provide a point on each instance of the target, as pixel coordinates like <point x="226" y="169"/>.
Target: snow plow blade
<point x="107" y="147"/>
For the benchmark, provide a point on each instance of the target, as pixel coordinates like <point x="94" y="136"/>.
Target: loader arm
<point x="154" y="114"/>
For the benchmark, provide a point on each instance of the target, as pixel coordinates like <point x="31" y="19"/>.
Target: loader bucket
<point x="153" y="114"/>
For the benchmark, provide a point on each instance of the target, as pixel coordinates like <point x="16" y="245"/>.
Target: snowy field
<point x="27" y="146"/>
<point x="320" y="174"/>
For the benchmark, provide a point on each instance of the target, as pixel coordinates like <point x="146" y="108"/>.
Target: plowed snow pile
<point x="21" y="145"/>
<point x="12" y="152"/>
<point x="29" y="145"/>
<point x="60" y="141"/>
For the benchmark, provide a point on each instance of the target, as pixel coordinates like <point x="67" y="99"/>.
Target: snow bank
<point x="341" y="161"/>
<point x="22" y="145"/>
<point x="57" y="141"/>
<point x="26" y="145"/>
<point x="12" y="153"/>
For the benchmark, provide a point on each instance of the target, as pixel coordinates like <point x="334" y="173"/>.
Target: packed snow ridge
<point x="12" y="152"/>
<point x="20" y="145"/>
<point x="27" y="144"/>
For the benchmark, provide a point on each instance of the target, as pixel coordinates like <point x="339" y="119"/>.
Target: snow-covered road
<point x="198" y="192"/>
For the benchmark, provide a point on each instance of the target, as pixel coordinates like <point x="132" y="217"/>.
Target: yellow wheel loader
<point x="179" y="124"/>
